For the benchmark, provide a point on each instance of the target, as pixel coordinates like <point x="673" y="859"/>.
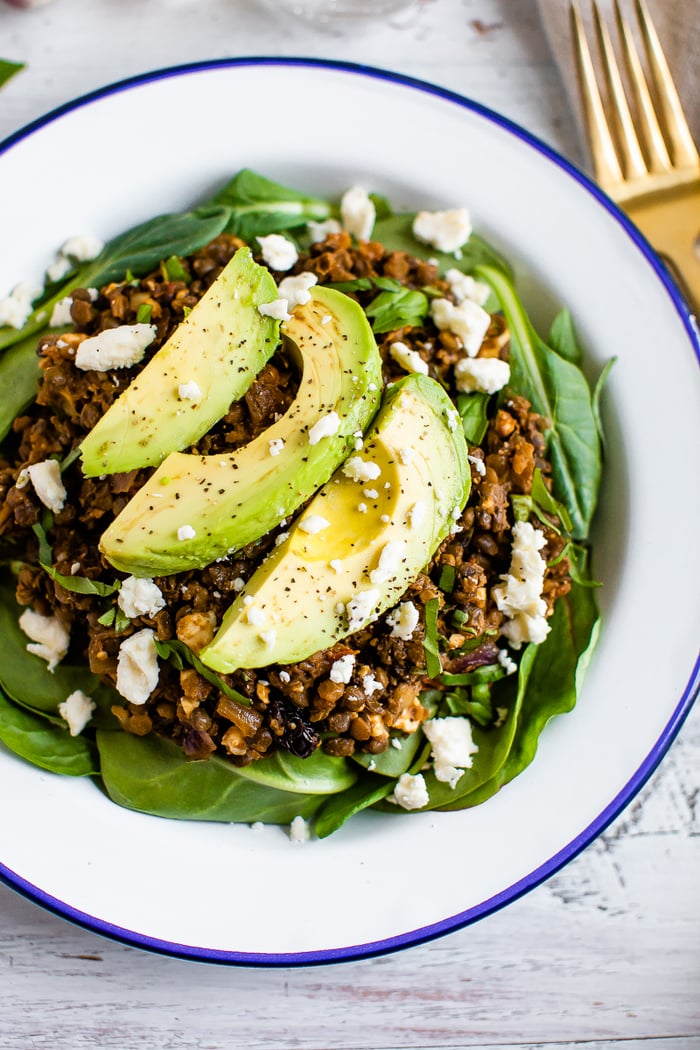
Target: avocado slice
<point x="360" y="542"/>
<point x="230" y="500"/>
<point x="217" y="350"/>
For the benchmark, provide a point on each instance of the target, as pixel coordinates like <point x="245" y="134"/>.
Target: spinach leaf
<point x="392" y="310"/>
<point x="8" y="70"/>
<point x="558" y="390"/>
<point x="395" y="233"/>
<point x="179" y="654"/>
<point x="562" y="337"/>
<point x="338" y="809"/>
<point x="555" y="671"/>
<point x="472" y="409"/>
<point x="597" y="394"/>
<point x="258" y="206"/>
<point x="19" y="375"/>
<point x="138" y="250"/>
<point x="43" y="744"/>
<point x="152" y="775"/>
<point x="80" y="584"/>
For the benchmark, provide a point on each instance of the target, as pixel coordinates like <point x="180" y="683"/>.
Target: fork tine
<point x="607" y="168"/>
<point x="652" y="138"/>
<point x="682" y="146"/>
<point x="632" y="157"/>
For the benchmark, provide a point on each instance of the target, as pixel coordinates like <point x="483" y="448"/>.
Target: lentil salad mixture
<point x="342" y="707"/>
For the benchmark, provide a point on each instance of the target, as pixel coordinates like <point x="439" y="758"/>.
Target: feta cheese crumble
<point x="46" y="482"/>
<point x="445" y="230"/>
<point x="76" y="710"/>
<point x="49" y="638"/>
<point x="361" y="470"/>
<point x="276" y="446"/>
<point x="360" y="608"/>
<point x="268" y="638"/>
<point x="255" y="617"/>
<point x="468" y="321"/>
<point x="478" y="464"/>
<point x="416" y="514"/>
<point x="61" y="315"/>
<point x="463" y="286"/>
<point x="278" y="252"/>
<point x="115" y="348"/>
<point x="488" y="374"/>
<point x="318" y="231"/>
<point x="186" y="532"/>
<point x="452" y="747"/>
<point x="16" y="307"/>
<point x="277" y="310"/>
<point x="390" y="558"/>
<point x="520" y="594"/>
<point x="358" y="213"/>
<point x="313" y="523"/>
<point x="403" y="621"/>
<point x="506" y="661"/>
<point x="189" y="391"/>
<point x="411" y="791"/>
<point x="325" y="427"/>
<point x="137" y="666"/>
<point x="341" y="670"/>
<point x="409" y="360"/>
<point x="296" y="289"/>
<point x="406" y="455"/>
<point x="82" y="248"/>
<point x="299" y="831"/>
<point x="140" y="597"/>
<point x="371" y="685"/>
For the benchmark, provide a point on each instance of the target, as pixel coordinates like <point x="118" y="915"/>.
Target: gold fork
<point x="648" y="163"/>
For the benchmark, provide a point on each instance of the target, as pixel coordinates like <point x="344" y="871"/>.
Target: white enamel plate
<point x="381" y="883"/>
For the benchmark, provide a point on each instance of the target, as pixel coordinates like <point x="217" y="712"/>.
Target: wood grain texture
<point x="605" y="954"/>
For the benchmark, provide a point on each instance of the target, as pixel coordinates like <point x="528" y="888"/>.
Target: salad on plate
<point x="295" y="513"/>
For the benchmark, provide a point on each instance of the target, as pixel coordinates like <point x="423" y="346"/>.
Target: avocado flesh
<point x="221" y="346"/>
<point x="295" y="603"/>
<point x="231" y="500"/>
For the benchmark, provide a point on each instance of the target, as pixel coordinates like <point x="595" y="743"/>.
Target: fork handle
<point x="671" y="222"/>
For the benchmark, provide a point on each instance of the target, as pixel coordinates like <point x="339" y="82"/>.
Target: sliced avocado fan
<point x="223" y="502"/>
<point x="360" y="542"/>
<point x="215" y="353"/>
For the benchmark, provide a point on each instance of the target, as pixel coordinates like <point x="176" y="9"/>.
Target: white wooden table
<point x="606" y="953"/>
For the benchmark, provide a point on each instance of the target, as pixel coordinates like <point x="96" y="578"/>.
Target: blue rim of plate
<point x="670" y="731"/>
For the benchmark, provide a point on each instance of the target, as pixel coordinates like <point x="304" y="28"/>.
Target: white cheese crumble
<point x="463" y="286"/>
<point x="238" y="583"/>
<point x="82" y="248"/>
<point x="284" y="676"/>
<point x="115" y="348"/>
<point x="276" y="446"/>
<point x="189" y="391"/>
<point x="137" y="666"/>
<point x="49" y="638"/>
<point x="478" y="464"/>
<point x="409" y="360"/>
<point x="506" y="661"/>
<point x="281" y="538"/>
<point x="46" y="481"/>
<point x="61" y="315"/>
<point x="370" y="493"/>
<point x="362" y="508"/>
<point x="325" y="427"/>
<point x="296" y="289"/>
<point x="411" y="791"/>
<point x="452" y="747"/>
<point x="468" y="321"/>
<point x="278" y="252"/>
<point x="416" y="514"/>
<point x="255" y="617"/>
<point x="268" y="638"/>
<point x="371" y="685"/>
<point x="445" y="230"/>
<point x="318" y="231"/>
<point x="76" y="710"/>
<point x="342" y="668"/>
<point x="403" y="621"/>
<point x="360" y="608"/>
<point x="186" y="532"/>
<point x="336" y="565"/>
<point x="58" y="269"/>
<point x="488" y="374"/>
<point x="16" y="307"/>
<point x="358" y="213"/>
<point x="140" y="597"/>
<point x="277" y="310"/>
<point x="361" y="470"/>
<point x="299" y="831"/>
<point x="406" y="455"/>
<point x="313" y="523"/>
<point x="520" y="594"/>
<point x="390" y="558"/>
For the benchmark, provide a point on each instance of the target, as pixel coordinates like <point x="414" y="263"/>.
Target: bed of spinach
<point x="151" y="774"/>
